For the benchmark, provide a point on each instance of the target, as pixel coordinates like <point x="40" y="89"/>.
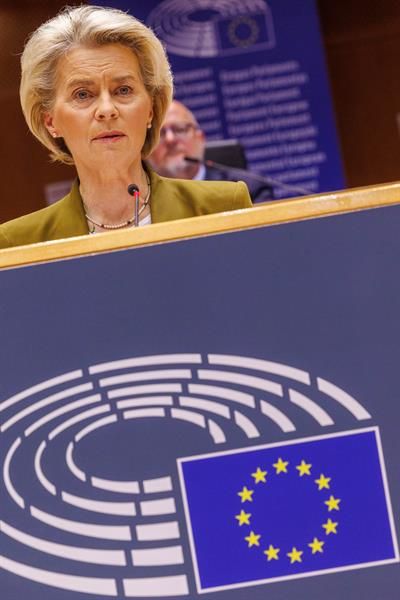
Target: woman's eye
<point x="124" y="90"/>
<point x="81" y="95"/>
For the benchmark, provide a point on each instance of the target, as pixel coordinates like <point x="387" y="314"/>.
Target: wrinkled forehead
<point x="96" y="61"/>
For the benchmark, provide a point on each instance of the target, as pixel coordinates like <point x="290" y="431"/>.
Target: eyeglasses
<point x="180" y="130"/>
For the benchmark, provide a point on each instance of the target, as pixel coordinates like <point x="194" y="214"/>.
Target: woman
<point x="95" y="88"/>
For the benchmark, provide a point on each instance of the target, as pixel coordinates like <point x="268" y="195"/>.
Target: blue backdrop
<point x="254" y="71"/>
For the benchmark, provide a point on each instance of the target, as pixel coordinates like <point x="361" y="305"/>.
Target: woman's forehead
<point x="113" y="60"/>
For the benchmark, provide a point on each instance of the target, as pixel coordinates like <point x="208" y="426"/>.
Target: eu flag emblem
<point x="251" y="31"/>
<point x="292" y="509"/>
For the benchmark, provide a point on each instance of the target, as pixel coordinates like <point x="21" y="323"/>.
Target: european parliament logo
<point x="288" y="510"/>
<point x="92" y="502"/>
<point x="207" y="29"/>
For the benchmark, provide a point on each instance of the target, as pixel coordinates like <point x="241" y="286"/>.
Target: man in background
<point x="181" y="136"/>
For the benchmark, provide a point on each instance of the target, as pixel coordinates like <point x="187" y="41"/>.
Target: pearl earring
<point x="54" y="134"/>
<point x="148" y="125"/>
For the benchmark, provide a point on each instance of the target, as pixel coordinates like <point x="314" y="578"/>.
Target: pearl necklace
<point x="125" y="223"/>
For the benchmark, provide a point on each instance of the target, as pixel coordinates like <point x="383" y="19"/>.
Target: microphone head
<point x="132" y="188"/>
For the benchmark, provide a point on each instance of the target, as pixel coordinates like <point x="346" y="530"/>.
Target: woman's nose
<point x="106" y="108"/>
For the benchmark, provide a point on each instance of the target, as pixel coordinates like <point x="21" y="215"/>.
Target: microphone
<point x="133" y="190"/>
<point x="270" y="181"/>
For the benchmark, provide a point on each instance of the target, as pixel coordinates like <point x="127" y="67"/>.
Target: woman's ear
<point x="150" y="119"/>
<point x="48" y="123"/>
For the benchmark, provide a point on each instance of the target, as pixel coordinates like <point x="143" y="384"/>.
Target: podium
<point x="205" y="408"/>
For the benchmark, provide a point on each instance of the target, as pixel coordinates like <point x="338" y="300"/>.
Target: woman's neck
<point x="106" y="198"/>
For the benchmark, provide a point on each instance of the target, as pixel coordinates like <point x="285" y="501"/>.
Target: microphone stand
<point x="136" y="198"/>
<point x="133" y="190"/>
<point x="270" y="181"/>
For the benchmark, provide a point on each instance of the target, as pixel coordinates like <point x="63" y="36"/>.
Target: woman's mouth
<point x="109" y="136"/>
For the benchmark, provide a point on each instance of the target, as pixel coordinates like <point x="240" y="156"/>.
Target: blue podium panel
<point x="214" y="417"/>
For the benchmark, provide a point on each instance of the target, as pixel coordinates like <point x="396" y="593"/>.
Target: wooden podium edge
<point x="269" y="213"/>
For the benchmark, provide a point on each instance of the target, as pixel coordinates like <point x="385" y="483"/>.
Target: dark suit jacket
<point x="259" y="191"/>
<point x="170" y="199"/>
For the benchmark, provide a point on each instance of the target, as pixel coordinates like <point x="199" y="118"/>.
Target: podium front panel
<point x="213" y="417"/>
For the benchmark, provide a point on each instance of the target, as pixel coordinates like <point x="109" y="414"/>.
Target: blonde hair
<point x="89" y="26"/>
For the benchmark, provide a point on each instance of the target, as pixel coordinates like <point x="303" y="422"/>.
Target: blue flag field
<point x="288" y="510"/>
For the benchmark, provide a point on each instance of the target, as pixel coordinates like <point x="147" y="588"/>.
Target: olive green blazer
<point x="170" y="199"/>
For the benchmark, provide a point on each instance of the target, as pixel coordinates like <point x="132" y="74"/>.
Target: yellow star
<point x="322" y="482"/>
<point x="259" y="475"/>
<point x="332" y="503"/>
<point x="316" y="545"/>
<point x="252" y="539"/>
<point x="281" y="466"/>
<point x="246" y="495"/>
<point x="272" y="553"/>
<point x="304" y="468"/>
<point x="243" y="518"/>
<point x="295" y="555"/>
<point x="330" y="527"/>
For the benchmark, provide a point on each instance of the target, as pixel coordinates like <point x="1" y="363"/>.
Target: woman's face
<point x="101" y="107"/>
